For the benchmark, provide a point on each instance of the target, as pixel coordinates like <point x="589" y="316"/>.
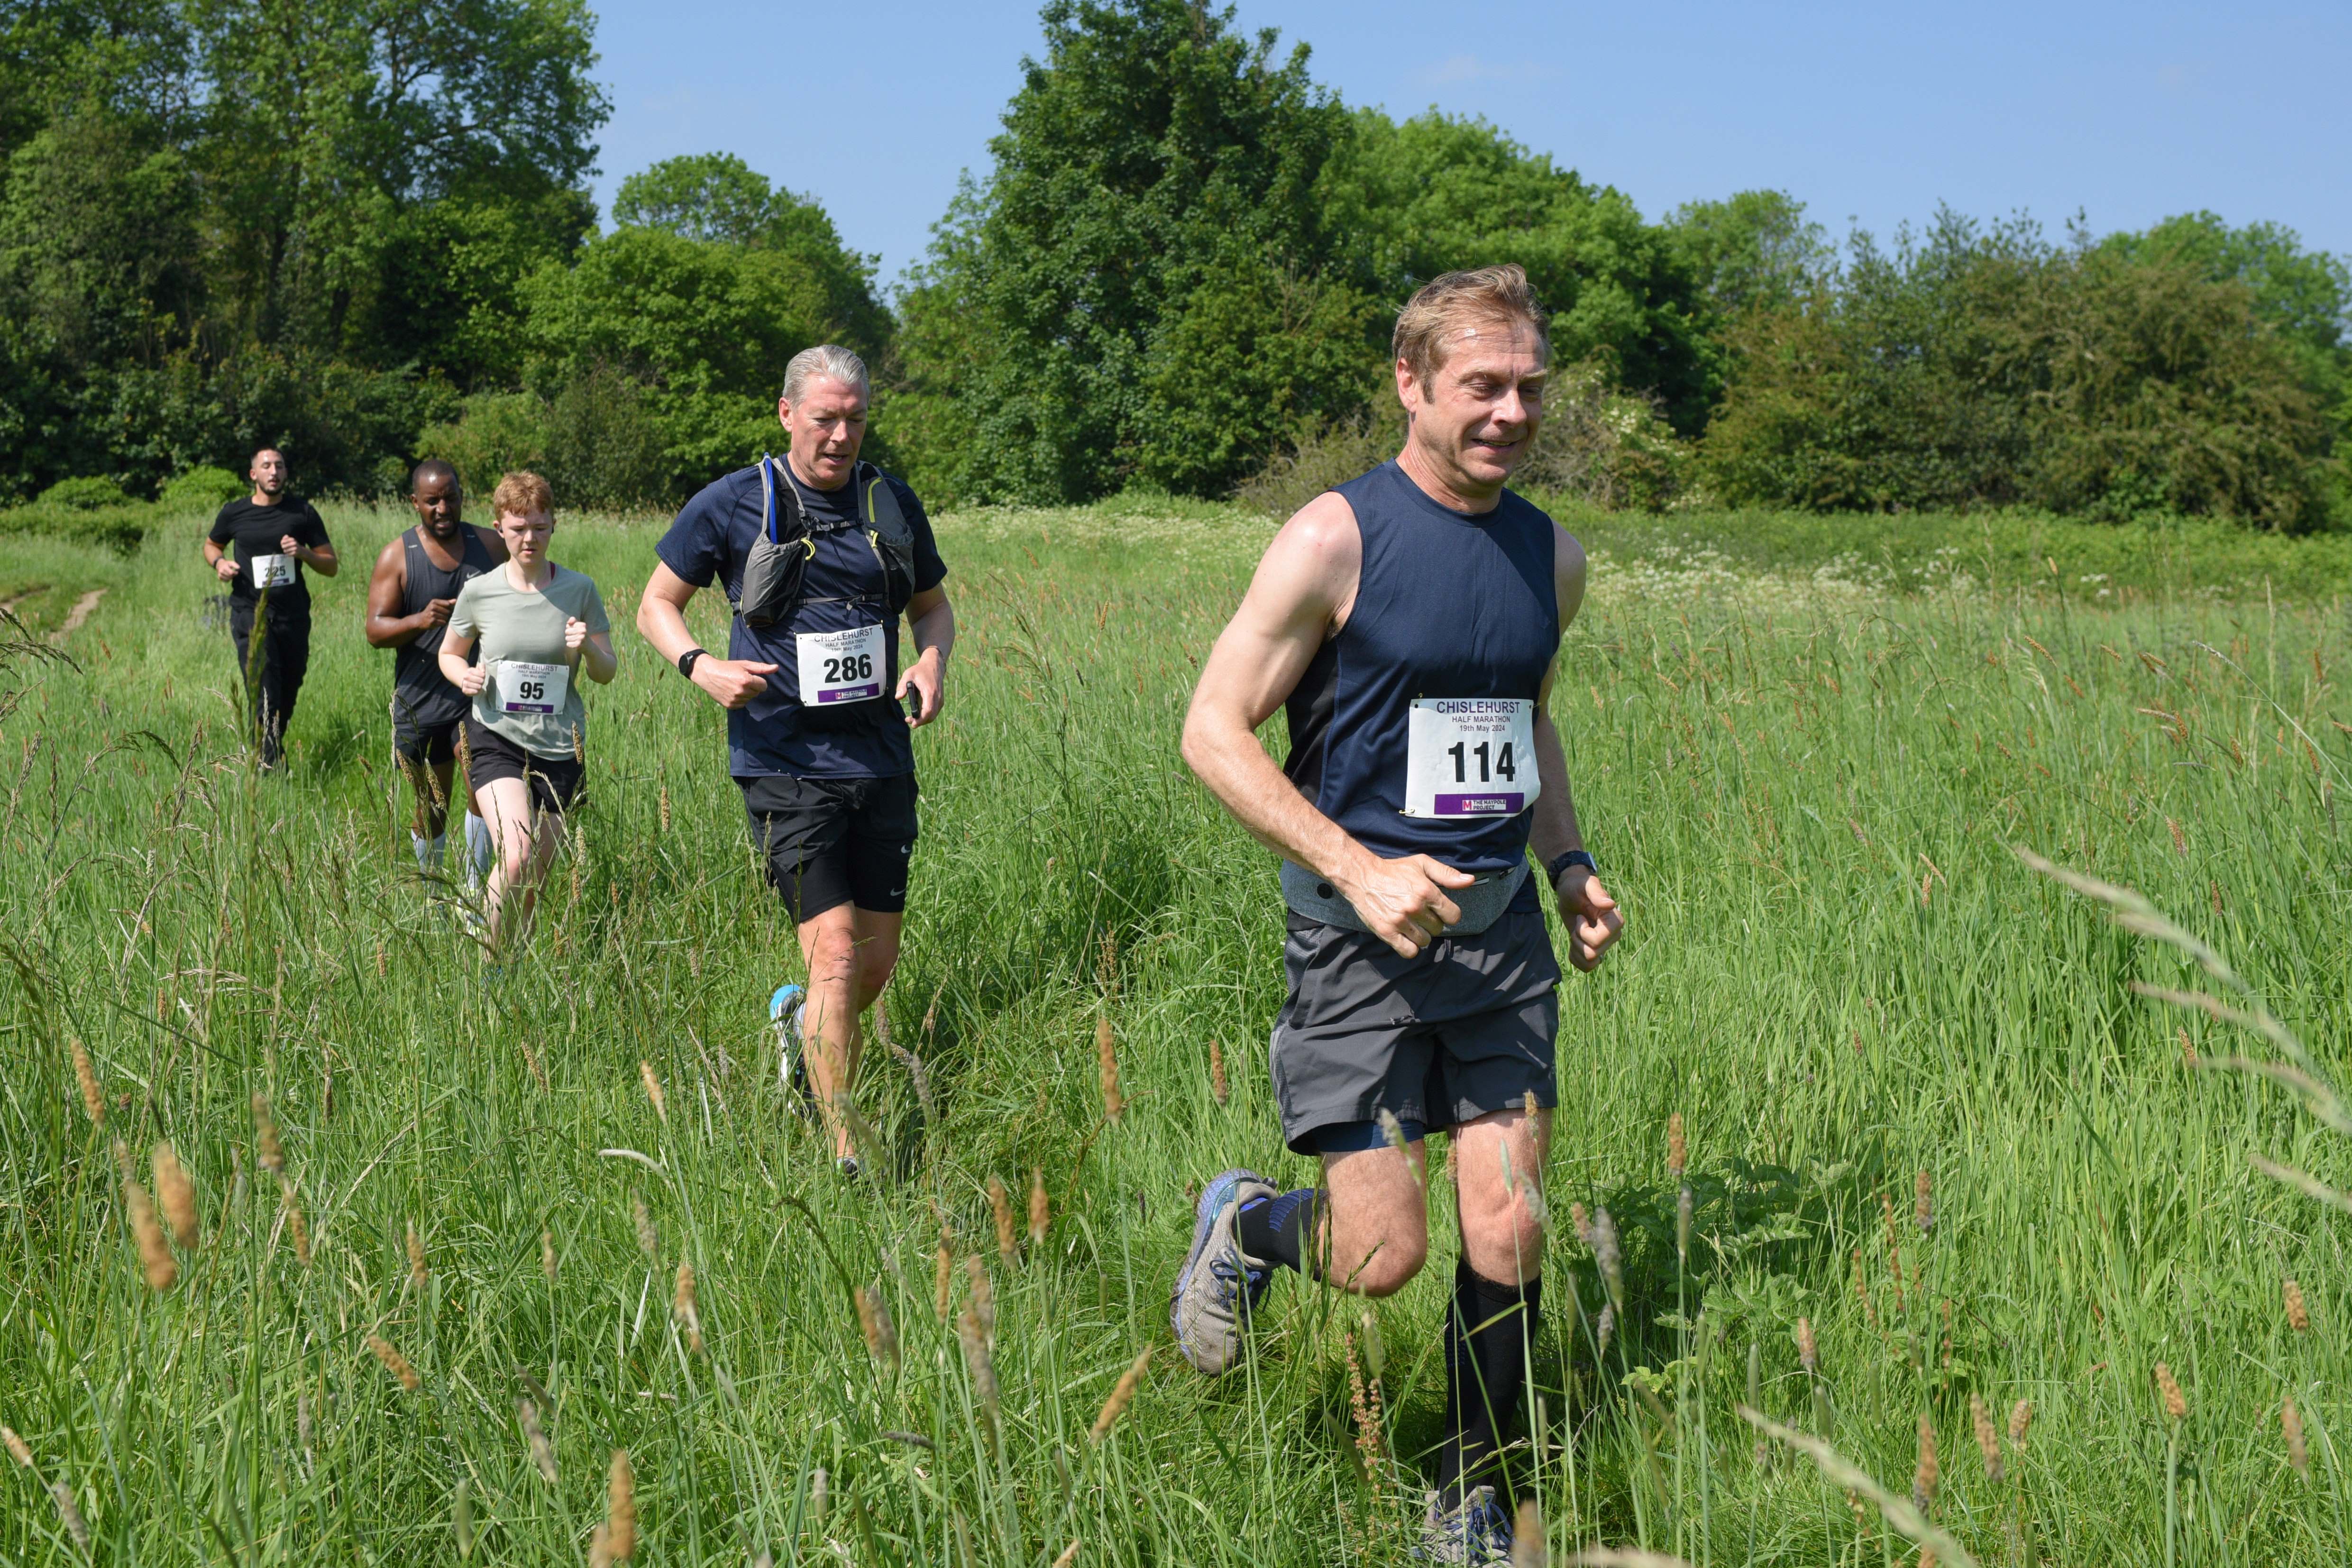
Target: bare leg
<point x="1376" y="1222"/>
<point x="1500" y="1235"/>
<point x="850" y="953"/>
<point x="527" y="839"/>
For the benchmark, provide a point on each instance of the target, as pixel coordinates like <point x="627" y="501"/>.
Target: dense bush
<point x="202" y="488"/>
<point x="1986" y="366"/>
<point x="82" y="495"/>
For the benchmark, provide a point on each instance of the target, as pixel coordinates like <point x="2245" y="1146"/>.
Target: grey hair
<point x="829" y="360"/>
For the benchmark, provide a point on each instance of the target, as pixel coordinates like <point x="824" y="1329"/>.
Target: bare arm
<point x="1302" y="592"/>
<point x="224" y="565"/>
<point x="468" y="678"/>
<point x="1585" y="908"/>
<point x="661" y="621"/>
<point x="930" y="621"/>
<point x="385" y="626"/>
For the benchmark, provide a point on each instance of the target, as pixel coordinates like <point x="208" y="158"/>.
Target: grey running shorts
<point x="1464" y="1028"/>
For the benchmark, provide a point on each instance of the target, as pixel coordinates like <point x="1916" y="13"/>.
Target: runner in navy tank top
<point x="1409" y="622"/>
<point x="415" y="584"/>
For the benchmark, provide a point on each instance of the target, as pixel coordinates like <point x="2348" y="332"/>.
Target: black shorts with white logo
<point x="833" y="841"/>
<point x="1464" y="1028"/>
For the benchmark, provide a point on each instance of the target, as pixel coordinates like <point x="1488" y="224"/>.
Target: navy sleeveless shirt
<point x="420" y="693"/>
<point x="1449" y="605"/>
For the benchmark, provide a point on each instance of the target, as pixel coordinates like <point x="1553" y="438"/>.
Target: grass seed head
<point x="93" y="1098"/>
<point x="665" y="808"/>
<point x="973" y="1333"/>
<point x="648" y="1239"/>
<point x="1807" y="1352"/>
<point x="1606" y="1252"/>
<point x="547" y="1254"/>
<point x="2298" y="1315"/>
<point x="177" y="1195"/>
<point x="616" y="1539"/>
<point x="1008" y="1233"/>
<point x="646" y="1076"/>
<point x="944" y="1284"/>
<point x="1121" y="1396"/>
<point x="2176" y="1404"/>
<point x="1069" y="1554"/>
<point x="296" y="1226"/>
<point x="395" y="1362"/>
<point x="874" y="1317"/>
<point x="1677" y="1149"/>
<point x="1923" y="1208"/>
<point x="18" y="1450"/>
<point x="1603" y="1329"/>
<point x="1528" y="1549"/>
<point x="984" y="1296"/>
<point x="1988" y="1439"/>
<point x="2020" y="1421"/>
<point x="1041" y="1213"/>
<point x="419" y="1275"/>
<point x="683" y="1308"/>
<point x="1923" y="1478"/>
<point x="542" y="1452"/>
<point x="68" y="1515"/>
<point x="1219" y="1089"/>
<point x="2298" y="1452"/>
<point x="1106" y="1059"/>
<point x="265" y="1137"/>
<point x="155" y="1260"/>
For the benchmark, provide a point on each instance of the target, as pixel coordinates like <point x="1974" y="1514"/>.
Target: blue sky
<point x="1869" y="112"/>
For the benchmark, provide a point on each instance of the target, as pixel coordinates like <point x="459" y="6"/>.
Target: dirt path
<point x="79" y="614"/>
<point x="13" y="600"/>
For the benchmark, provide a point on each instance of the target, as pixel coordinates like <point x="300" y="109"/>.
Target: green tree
<point x="1436" y="192"/>
<point x="1054" y="340"/>
<point x="717" y="198"/>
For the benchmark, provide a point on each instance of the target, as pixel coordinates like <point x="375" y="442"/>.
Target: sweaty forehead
<point x="1495" y="349"/>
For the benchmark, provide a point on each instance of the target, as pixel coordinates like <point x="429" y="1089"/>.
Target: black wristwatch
<point x="685" y="661"/>
<point x="1562" y="861"/>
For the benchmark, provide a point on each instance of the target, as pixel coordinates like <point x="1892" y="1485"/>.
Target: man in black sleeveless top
<point x="1409" y="620"/>
<point x="410" y="594"/>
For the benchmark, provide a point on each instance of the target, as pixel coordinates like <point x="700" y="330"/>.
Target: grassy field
<point x="1930" y="1130"/>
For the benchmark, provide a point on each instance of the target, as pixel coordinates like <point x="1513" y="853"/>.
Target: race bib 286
<point x="841" y="666"/>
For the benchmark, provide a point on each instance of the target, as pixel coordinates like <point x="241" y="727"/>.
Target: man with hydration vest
<point x="821" y="554"/>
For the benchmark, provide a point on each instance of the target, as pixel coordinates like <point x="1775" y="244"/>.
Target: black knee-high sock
<point x="1281" y="1229"/>
<point x="1486" y="1339"/>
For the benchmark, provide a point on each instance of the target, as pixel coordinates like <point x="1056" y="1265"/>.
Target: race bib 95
<point x="841" y="666"/>
<point x="1470" y="756"/>
<point x="522" y="687"/>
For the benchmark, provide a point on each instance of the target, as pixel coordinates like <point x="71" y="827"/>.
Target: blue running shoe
<point x="1220" y="1284"/>
<point x="786" y="1012"/>
<point x="1474" y="1533"/>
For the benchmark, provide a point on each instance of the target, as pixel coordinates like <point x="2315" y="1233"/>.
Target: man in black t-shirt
<point x="813" y="685"/>
<point x="258" y="546"/>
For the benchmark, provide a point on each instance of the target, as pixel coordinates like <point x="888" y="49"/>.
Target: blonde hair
<point x="522" y="494"/>
<point x="1454" y="300"/>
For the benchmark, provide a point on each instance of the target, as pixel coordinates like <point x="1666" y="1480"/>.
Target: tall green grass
<point x="1804" y="788"/>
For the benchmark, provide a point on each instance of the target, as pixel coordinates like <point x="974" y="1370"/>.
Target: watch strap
<point x="685" y="661"/>
<point x="1559" y="863"/>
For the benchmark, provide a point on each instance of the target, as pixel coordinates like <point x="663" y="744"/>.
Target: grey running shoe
<point x="1475" y="1533"/>
<point x="1220" y="1284"/>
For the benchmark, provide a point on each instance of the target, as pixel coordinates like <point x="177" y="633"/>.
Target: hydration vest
<point x="778" y="558"/>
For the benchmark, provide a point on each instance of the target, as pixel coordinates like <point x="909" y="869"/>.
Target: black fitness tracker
<point x="685" y="661"/>
<point x="1562" y="862"/>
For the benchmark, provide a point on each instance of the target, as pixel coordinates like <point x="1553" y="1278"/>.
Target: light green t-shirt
<point x="517" y="630"/>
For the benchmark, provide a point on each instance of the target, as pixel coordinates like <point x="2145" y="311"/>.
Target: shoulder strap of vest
<point x="887" y="531"/>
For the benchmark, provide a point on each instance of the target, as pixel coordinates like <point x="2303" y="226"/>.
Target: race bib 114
<point x="1470" y="756"/>
<point x="530" y="688"/>
<point x="841" y="666"/>
<point x="271" y="571"/>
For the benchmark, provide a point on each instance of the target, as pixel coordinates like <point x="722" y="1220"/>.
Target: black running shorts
<point x="1464" y="1028"/>
<point x="554" y="780"/>
<point x="416" y="744"/>
<point x="833" y="841"/>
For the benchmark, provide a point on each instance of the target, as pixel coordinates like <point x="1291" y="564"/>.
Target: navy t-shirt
<point x="842" y="588"/>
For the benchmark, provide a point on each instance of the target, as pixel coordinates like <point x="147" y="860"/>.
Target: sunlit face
<point x="827" y="426"/>
<point x="526" y="534"/>
<point x="439" y="502"/>
<point x="1475" y="415"/>
<point x="270" y="472"/>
